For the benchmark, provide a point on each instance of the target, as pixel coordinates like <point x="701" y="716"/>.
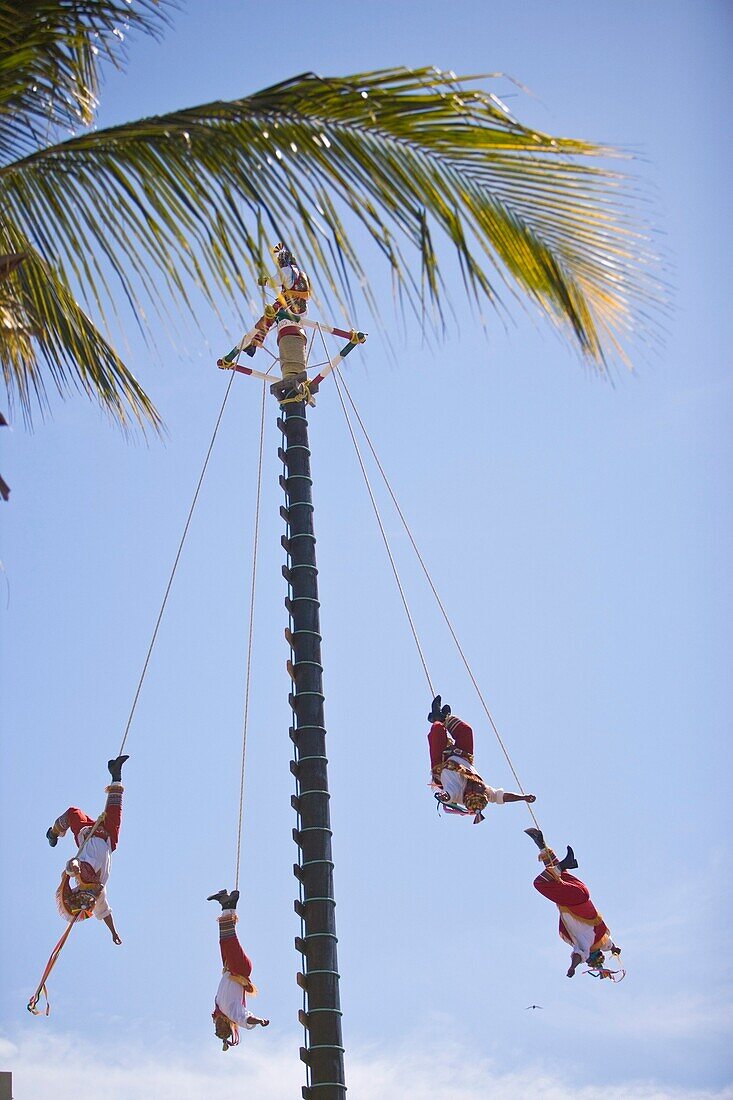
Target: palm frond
<point x="38" y="314"/>
<point x="51" y="52"/>
<point x="400" y="150"/>
<point x="411" y="156"/>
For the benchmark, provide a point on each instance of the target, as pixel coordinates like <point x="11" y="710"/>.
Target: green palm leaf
<point x="412" y="156"/>
<point x="50" y="56"/>
<point x="37" y="312"/>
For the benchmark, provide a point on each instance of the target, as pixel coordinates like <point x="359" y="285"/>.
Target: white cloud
<point x="63" y="1067"/>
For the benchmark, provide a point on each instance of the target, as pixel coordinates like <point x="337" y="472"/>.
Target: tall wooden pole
<point x="323" y="1053"/>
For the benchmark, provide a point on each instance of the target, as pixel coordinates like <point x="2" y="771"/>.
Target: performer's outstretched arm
<point x="575" y="961"/>
<point x="109" y="921"/>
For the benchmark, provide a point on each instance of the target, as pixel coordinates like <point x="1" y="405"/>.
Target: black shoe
<point x="436" y="714"/>
<point x="568" y="862"/>
<point x="232" y="899"/>
<point x="250" y="351"/>
<point x="221" y="896"/>
<point x="537" y="837"/>
<point x="114" y="767"/>
<point x="51" y="837"/>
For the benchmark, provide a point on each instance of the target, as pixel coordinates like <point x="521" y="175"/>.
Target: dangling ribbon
<point x="41" y="988"/>
<point x="603" y="972"/>
<point x="449" y="807"/>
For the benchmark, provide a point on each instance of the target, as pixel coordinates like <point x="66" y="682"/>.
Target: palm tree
<point x="140" y="211"/>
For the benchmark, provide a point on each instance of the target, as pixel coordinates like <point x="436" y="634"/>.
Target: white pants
<point x="98" y="854"/>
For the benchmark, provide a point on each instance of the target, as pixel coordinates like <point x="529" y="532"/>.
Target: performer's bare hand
<point x="530" y="798"/>
<point x="111" y="925"/>
<point x="571" y="972"/>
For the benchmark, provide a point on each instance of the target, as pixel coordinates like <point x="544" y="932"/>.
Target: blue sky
<point x="580" y="535"/>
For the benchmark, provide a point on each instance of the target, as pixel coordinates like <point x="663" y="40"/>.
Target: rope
<point x="245" y="720"/>
<point x="89" y="835"/>
<point x="253" y="587"/>
<point x="434" y="590"/>
<point x="41" y="990"/>
<point x="405" y="604"/>
<point x="175" y="565"/>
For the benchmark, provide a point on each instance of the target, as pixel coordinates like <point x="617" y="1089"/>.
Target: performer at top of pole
<point x="293" y="288"/>
<point x="287" y="313"/>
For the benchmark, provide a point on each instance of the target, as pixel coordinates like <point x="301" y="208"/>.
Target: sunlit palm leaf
<point x="37" y="313"/>
<point x="412" y="156"/>
<point x="50" y="53"/>
<point x="167" y="190"/>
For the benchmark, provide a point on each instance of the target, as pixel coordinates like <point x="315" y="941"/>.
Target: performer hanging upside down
<point x="230" y="1005"/>
<point x="292" y="304"/>
<point x="91" y="866"/>
<point x="456" y="782"/>
<point x="581" y="925"/>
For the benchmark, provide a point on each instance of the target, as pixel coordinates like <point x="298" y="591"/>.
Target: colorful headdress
<point x="76" y="903"/>
<point x="596" y="969"/>
<point x="282" y="254"/>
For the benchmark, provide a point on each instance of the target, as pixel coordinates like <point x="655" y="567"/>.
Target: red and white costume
<point x="581" y="925"/>
<point x="452" y="770"/>
<point x="95" y="856"/>
<point x="295" y="291"/>
<point x="294" y="294"/>
<point x="235" y="984"/>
